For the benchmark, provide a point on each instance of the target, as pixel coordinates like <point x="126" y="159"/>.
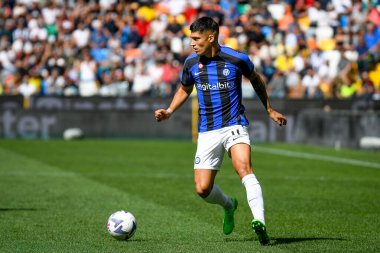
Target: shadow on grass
<point x="137" y="240"/>
<point x="18" y="209"/>
<point x="277" y="241"/>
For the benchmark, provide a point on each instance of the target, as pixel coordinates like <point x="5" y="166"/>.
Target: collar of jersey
<point x="204" y="59"/>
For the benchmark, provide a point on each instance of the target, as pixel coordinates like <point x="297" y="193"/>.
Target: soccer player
<point x="216" y="72"/>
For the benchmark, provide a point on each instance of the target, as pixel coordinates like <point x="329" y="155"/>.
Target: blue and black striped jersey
<point x="218" y="83"/>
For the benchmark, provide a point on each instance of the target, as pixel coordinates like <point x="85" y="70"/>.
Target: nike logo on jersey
<point x="197" y="73"/>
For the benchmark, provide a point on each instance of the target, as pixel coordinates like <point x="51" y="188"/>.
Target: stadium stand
<point x="304" y="48"/>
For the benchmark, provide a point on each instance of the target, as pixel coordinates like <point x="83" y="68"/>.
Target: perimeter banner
<point x="309" y="121"/>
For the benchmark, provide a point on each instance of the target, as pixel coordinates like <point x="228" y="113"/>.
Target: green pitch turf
<point x="56" y="196"/>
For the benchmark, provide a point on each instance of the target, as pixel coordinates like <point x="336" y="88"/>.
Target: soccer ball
<point x="121" y="225"/>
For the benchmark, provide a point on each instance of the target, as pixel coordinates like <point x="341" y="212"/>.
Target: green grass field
<point x="56" y="196"/>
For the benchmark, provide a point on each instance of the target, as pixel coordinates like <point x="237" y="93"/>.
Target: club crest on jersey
<point x="226" y="72"/>
<point x="200" y="65"/>
<point x="197" y="160"/>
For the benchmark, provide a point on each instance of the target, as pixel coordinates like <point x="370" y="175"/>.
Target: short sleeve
<point x="246" y="65"/>
<point x="186" y="77"/>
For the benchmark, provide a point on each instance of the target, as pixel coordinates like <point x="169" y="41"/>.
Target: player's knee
<point x="243" y="169"/>
<point x="203" y="190"/>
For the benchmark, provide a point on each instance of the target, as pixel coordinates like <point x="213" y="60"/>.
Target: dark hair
<point x="204" y="24"/>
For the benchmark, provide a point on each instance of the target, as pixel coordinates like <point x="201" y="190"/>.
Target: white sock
<point x="216" y="196"/>
<point x="254" y="196"/>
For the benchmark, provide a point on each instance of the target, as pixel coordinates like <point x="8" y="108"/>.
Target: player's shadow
<point x="277" y="241"/>
<point x="18" y="209"/>
<point x="139" y="240"/>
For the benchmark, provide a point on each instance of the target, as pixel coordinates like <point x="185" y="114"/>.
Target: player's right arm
<point x="179" y="98"/>
<point x="259" y="86"/>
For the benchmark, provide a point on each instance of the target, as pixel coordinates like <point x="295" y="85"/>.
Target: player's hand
<point x="277" y="117"/>
<point x="162" y="114"/>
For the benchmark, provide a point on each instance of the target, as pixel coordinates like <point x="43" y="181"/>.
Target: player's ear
<point x="211" y="37"/>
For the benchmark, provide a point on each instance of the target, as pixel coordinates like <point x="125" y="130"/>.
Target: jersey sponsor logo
<point x="226" y="72"/>
<point x="217" y="86"/>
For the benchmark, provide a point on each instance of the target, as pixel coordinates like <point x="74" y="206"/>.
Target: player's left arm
<point x="181" y="95"/>
<point x="259" y="86"/>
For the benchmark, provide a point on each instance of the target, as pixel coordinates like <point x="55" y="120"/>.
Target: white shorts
<point x="212" y="144"/>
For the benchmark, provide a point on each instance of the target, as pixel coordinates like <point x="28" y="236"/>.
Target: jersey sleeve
<point x="239" y="59"/>
<point x="246" y="65"/>
<point x="186" y="77"/>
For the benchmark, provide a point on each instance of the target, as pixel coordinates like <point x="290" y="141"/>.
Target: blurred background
<point x="103" y="67"/>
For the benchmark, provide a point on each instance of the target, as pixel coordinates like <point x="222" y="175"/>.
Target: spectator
<point x="284" y="62"/>
<point x="81" y="36"/>
<point x="142" y="82"/>
<point x="129" y="72"/>
<point x="157" y="28"/>
<point x="294" y="88"/>
<point x="87" y="75"/>
<point x="170" y="76"/>
<point x="156" y="71"/>
<point x="311" y="82"/>
<point x="71" y="82"/>
<point x="347" y="90"/>
<point x="53" y="83"/>
<point x="26" y="89"/>
<point x="286" y="20"/>
<point x="361" y="46"/>
<point x="276" y="9"/>
<point x="277" y="86"/>
<point x="367" y="90"/>
<point x="267" y="69"/>
<point x="372" y="37"/>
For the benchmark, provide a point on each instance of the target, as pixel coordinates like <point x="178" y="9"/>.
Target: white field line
<point x="310" y="156"/>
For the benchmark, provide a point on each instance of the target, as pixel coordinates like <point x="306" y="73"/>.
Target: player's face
<point x="201" y="42"/>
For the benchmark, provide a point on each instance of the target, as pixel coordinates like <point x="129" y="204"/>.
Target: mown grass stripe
<point x="80" y="208"/>
<point x="310" y="156"/>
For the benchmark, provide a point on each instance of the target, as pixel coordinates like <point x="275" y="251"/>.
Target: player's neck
<point x="213" y="51"/>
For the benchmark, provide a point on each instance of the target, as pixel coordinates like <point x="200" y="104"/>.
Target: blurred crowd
<point x="303" y="48"/>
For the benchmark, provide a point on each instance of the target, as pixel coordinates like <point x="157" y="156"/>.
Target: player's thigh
<point x="210" y="151"/>
<point x="235" y="135"/>
<point x="241" y="159"/>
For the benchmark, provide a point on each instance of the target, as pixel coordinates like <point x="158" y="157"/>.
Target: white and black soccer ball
<point x="122" y="225"/>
